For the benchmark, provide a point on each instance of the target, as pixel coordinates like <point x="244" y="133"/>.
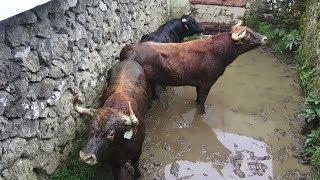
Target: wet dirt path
<point x="250" y="129"/>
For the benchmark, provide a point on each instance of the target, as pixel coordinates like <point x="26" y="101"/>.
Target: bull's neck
<point x="225" y="49"/>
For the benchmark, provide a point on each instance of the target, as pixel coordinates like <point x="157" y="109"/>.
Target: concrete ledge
<point x="219" y="14"/>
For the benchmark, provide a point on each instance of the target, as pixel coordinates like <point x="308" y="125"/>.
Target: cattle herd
<point x="117" y="129"/>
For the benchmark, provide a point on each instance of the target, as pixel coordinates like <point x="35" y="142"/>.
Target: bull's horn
<point x="133" y="117"/>
<point x="192" y="10"/>
<point x="81" y="110"/>
<point x="239" y="23"/>
<point x="184" y="20"/>
<point x="237" y="37"/>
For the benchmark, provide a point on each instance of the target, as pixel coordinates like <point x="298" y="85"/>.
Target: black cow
<point x="175" y="30"/>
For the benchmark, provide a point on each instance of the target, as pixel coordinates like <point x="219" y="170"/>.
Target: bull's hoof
<point x="201" y="109"/>
<point x="154" y="97"/>
<point x="137" y="175"/>
<point x="164" y="88"/>
<point x="201" y="112"/>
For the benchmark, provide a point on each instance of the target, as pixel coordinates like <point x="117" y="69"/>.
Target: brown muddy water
<point x="250" y="129"/>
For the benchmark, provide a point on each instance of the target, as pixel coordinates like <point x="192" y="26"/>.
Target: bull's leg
<point x="153" y="90"/>
<point x="135" y="165"/>
<point x="202" y="94"/>
<point x="197" y="89"/>
<point x="116" y="170"/>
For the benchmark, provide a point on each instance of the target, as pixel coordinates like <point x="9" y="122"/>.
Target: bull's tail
<point x="126" y="52"/>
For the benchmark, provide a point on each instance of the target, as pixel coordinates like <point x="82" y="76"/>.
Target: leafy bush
<point x="311" y="109"/>
<point x="279" y="38"/>
<point x="316" y="158"/>
<point x="292" y="40"/>
<point x="312" y="148"/>
<point x="312" y="143"/>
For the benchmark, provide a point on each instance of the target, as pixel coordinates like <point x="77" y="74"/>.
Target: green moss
<point x="307" y="71"/>
<point x="308" y="55"/>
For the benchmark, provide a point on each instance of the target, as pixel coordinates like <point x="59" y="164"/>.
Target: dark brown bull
<point x="196" y="63"/>
<point x="117" y="129"/>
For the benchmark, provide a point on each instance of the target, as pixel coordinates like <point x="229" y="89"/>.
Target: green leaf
<point x="318" y="112"/>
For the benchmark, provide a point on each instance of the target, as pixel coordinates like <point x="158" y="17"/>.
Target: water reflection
<point x="249" y="159"/>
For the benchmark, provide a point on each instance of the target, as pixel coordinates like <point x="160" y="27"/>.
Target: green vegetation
<point x="295" y="28"/>
<point x="312" y="148"/>
<point x="279" y="38"/>
<point x="311" y="109"/>
<point x="74" y="169"/>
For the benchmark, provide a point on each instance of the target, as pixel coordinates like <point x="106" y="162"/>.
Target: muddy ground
<point x="251" y="129"/>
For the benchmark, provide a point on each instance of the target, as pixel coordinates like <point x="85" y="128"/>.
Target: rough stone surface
<point x="27" y="17"/>
<point x="12" y="151"/>
<point x="20" y="170"/>
<point x="5" y="52"/>
<point x="32" y="62"/>
<point x="46" y="55"/>
<point x="17" y="35"/>
<point x="44" y="52"/>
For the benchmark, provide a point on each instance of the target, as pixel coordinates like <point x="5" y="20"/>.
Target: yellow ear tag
<point x="128" y="134"/>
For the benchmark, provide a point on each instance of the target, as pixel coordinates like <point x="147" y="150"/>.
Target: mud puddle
<point x="250" y="129"/>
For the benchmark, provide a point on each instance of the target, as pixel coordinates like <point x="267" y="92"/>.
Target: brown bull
<point x="196" y="63"/>
<point x="117" y="128"/>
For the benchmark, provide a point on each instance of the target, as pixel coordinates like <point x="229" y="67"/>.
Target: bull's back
<point x="174" y="64"/>
<point x="127" y="83"/>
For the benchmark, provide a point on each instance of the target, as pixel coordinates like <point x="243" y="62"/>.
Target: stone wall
<point x="177" y="8"/>
<point x="46" y="55"/>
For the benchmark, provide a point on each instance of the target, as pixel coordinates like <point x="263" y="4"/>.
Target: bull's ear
<point x="184" y="20"/>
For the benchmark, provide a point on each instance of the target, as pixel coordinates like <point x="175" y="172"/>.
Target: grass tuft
<point x="74" y="169"/>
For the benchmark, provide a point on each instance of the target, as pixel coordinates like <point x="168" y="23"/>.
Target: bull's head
<point x="109" y="128"/>
<point x="191" y="24"/>
<point x="247" y="37"/>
